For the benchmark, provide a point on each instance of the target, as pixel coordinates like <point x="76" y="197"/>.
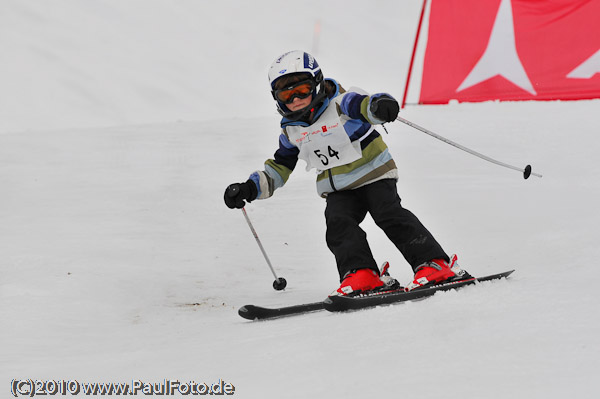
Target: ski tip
<point x="244" y="312"/>
<point x="496" y="276"/>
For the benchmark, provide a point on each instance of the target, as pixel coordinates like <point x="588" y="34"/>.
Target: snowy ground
<point x="120" y="261"/>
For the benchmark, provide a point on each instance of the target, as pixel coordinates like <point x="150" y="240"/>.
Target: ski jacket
<point x="374" y="160"/>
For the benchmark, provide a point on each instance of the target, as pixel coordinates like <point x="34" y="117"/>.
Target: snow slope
<point x="120" y="261"/>
<point x="71" y="63"/>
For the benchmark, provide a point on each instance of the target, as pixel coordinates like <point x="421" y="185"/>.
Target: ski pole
<point x="526" y="172"/>
<point x="280" y="283"/>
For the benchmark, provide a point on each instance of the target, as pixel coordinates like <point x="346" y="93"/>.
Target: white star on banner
<point x="500" y="56"/>
<point x="587" y="69"/>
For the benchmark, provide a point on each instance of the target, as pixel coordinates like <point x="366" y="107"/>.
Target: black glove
<point x="385" y="108"/>
<point x="236" y="193"/>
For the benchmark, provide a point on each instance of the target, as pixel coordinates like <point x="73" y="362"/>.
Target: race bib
<point x="325" y="144"/>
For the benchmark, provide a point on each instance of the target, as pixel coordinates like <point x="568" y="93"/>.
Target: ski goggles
<point x="301" y="90"/>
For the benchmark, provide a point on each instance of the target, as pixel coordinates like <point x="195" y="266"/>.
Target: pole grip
<point x="233" y="189"/>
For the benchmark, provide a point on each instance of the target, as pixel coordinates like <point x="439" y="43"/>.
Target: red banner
<point x="480" y="50"/>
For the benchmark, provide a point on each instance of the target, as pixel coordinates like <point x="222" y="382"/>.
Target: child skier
<point x="332" y="130"/>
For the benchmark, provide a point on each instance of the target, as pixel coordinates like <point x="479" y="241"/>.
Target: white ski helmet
<point x="297" y="62"/>
<point x="294" y="62"/>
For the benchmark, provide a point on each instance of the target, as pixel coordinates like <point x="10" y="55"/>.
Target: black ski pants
<point x="347" y="209"/>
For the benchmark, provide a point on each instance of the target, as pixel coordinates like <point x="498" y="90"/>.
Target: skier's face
<point x="299" y="103"/>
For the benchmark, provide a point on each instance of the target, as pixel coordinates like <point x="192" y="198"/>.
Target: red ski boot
<point x="363" y="280"/>
<point x="358" y="281"/>
<point x="437" y="271"/>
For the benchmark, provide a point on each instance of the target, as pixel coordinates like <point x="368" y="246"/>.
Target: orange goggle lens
<point x="300" y="90"/>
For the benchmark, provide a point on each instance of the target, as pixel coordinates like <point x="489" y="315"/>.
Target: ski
<point x="253" y="312"/>
<point x="345" y="303"/>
